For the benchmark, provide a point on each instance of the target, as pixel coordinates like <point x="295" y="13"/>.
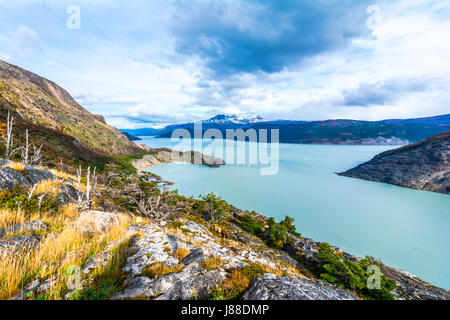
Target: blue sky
<point x="150" y="63"/>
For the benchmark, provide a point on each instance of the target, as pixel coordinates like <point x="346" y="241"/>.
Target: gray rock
<point x="96" y="222"/>
<point x="10" y="177"/>
<point x="423" y="166"/>
<point x="197" y="255"/>
<point x="31" y="226"/>
<point x="19" y="243"/>
<point x="67" y="194"/>
<point x="36" y="175"/>
<point x="270" y="287"/>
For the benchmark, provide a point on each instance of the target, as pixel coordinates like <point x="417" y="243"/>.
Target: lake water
<point x="408" y="229"/>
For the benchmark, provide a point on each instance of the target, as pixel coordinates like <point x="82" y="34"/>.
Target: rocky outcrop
<point x="96" y="222"/>
<point x="166" y="156"/>
<point x="32" y="226"/>
<point x="423" y="166"/>
<point x="271" y="287"/>
<point x="10" y="177"/>
<point x="409" y="287"/>
<point x="37" y="175"/>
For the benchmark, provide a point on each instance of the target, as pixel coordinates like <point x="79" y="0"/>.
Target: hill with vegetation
<point x="423" y="166"/>
<point x="54" y="119"/>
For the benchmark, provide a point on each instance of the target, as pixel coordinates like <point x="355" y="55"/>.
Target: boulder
<point x="96" y="222"/>
<point x="10" y="177"/>
<point x="37" y="175"/>
<point x="66" y="194"/>
<point x="271" y="287"/>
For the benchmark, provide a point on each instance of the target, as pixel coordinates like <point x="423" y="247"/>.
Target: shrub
<point x="351" y="275"/>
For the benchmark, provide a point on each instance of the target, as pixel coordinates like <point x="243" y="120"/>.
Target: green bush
<point x="351" y="275"/>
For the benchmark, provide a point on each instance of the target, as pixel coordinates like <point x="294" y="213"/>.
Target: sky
<point x="152" y="63"/>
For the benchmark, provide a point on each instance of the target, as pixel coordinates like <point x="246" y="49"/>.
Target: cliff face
<point x="38" y="101"/>
<point x="423" y="166"/>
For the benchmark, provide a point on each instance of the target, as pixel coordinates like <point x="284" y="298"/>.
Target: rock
<point x="167" y="156"/>
<point x="66" y="194"/>
<point x="195" y="256"/>
<point x="18" y="244"/>
<point x="271" y="287"/>
<point x="10" y="177"/>
<point x="31" y="226"/>
<point x="411" y="287"/>
<point x="37" y="175"/>
<point x="423" y="166"/>
<point x="96" y="222"/>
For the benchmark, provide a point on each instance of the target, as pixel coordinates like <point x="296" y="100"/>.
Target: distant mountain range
<point x="385" y="132"/>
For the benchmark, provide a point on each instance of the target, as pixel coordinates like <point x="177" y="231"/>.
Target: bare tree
<point x="29" y="158"/>
<point x="36" y="158"/>
<point x="31" y="191"/>
<point x="84" y="199"/>
<point x="8" y="137"/>
<point x="152" y="206"/>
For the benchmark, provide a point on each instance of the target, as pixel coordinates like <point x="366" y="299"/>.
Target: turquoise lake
<point x="405" y="228"/>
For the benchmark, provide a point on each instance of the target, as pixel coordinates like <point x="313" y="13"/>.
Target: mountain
<point x="223" y="119"/>
<point x="386" y="132"/>
<point x="54" y="118"/>
<point x="423" y="166"/>
<point x="130" y="136"/>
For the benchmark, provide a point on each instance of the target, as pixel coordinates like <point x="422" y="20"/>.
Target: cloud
<point x="23" y="42"/>
<point x="383" y="92"/>
<point x="265" y="36"/>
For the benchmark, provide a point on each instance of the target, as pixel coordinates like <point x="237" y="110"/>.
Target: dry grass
<point x="63" y="175"/>
<point x="212" y="263"/>
<point x="16" y="166"/>
<point x="161" y="269"/>
<point x="47" y="186"/>
<point x="181" y="253"/>
<point x="55" y="254"/>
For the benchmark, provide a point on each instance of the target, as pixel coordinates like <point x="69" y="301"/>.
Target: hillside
<point x="38" y="104"/>
<point x="424" y="166"/>
<point x="387" y="132"/>
<point x="130" y="239"/>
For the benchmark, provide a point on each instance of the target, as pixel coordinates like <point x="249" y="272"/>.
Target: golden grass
<point x="212" y="263"/>
<point x="54" y="255"/>
<point x="47" y="186"/>
<point x="181" y="253"/>
<point x="161" y="269"/>
<point x="16" y="166"/>
<point x="63" y="175"/>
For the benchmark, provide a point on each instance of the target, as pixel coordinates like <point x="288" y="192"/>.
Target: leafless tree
<point x="31" y="191"/>
<point x="152" y="206"/>
<point x="84" y="199"/>
<point x="29" y="158"/>
<point x="8" y="137"/>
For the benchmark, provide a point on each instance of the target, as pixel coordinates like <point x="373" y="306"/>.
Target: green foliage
<point x="211" y="205"/>
<point x="17" y="198"/>
<point x="106" y="282"/>
<point x="351" y="275"/>
<point x="252" y="225"/>
<point x="276" y="235"/>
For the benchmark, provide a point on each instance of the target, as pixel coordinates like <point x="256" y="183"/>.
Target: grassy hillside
<point x="39" y="103"/>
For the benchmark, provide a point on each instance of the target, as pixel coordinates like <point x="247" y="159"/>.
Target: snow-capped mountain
<point x="232" y="119"/>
